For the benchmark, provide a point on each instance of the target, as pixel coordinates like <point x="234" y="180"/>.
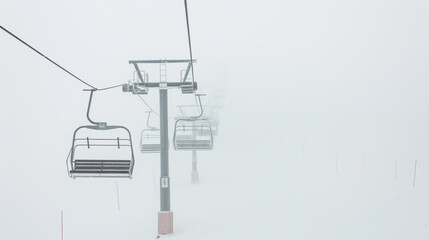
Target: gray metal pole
<point x="195" y="177"/>
<point x="165" y="179"/>
<point x="194" y="152"/>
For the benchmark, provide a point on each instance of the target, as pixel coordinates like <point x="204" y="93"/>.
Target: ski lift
<point x="150" y="141"/>
<point x="95" y="153"/>
<point x="193" y="133"/>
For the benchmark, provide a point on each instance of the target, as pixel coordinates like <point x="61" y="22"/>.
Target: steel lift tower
<point x="142" y="86"/>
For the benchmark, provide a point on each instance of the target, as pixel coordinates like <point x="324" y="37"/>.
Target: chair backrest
<point x="150" y="140"/>
<point x="101" y="152"/>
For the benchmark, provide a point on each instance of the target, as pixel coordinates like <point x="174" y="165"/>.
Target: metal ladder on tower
<point x="163" y="72"/>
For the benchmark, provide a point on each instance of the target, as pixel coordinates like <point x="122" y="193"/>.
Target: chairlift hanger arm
<point x="147" y="122"/>
<point x="99" y="124"/>
<point x="180" y="108"/>
<point x="187" y="72"/>
<point x="198" y="99"/>
<point x="201" y="106"/>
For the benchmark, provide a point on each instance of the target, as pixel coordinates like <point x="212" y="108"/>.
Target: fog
<point x="323" y="129"/>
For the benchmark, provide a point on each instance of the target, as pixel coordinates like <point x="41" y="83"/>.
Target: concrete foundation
<point x="165" y="222"/>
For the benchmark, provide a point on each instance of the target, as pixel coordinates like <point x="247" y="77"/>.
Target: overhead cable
<point x="56" y="64"/>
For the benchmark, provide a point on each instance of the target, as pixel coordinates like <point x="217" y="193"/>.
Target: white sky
<point x="305" y="80"/>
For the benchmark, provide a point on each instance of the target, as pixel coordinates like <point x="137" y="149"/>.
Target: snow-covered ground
<point x="277" y="192"/>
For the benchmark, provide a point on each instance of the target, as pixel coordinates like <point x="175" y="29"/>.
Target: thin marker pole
<point x="303" y="151"/>
<point x="117" y="195"/>
<point x="194" y="173"/>
<point x="154" y="181"/>
<point x="364" y="158"/>
<point x="396" y="170"/>
<point x="415" y="169"/>
<point x="62" y="226"/>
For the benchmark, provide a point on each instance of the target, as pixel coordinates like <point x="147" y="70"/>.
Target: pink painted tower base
<point x="165" y="222"/>
<point x="195" y="177"/>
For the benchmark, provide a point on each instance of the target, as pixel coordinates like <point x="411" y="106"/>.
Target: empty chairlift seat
<point x="193" y="134"/>
<point x="150" y="141"/>
<point x="101" y="152"/>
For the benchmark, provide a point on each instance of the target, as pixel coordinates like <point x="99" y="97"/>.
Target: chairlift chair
<point x="95" y="153"/>
<point x="193" y="134"/>
<point x="150" y="141"/>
